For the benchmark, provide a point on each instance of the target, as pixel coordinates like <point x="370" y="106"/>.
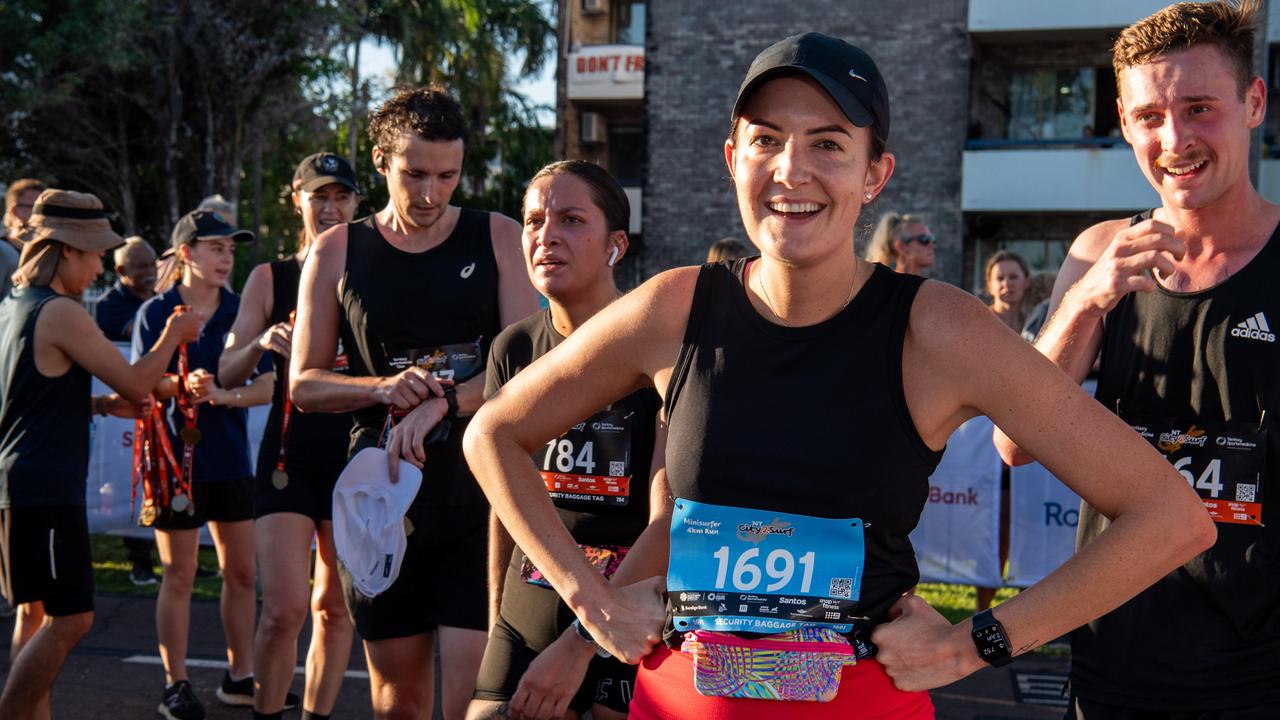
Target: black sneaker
<point x="142" y="575"/>
<point x="180" y="703"/>
<point x="240" y="692"/>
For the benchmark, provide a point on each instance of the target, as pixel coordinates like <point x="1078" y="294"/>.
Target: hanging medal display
<point x="280" y="476"/>
<point x="155" y="469"/>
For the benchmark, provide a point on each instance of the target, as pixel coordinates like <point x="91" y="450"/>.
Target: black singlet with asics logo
<point x="807" y="420"/>
<point x="1195" y="373"/>
<point x="317" y="441"/>
<point x="396" y="302"/>
<point x="44" y="421"/>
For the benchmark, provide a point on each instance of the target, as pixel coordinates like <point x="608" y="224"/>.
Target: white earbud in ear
<point x="613" y="256"/>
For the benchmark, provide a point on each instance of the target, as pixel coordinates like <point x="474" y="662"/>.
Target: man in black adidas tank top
<point x="415" y="294"/>
<point x="1179" y="302"/>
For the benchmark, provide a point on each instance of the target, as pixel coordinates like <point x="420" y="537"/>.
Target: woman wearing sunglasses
<point x="902" y="242"/>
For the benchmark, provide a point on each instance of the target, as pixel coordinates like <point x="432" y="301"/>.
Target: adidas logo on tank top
<point x="1254" y="328"/>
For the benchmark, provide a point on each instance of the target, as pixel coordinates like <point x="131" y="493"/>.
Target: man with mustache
<point x="1179" y="301"/>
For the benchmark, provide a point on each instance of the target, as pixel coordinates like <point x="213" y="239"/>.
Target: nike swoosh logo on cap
<point x="853" y="74"/>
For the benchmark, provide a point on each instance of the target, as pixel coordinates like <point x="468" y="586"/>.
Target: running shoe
<point x="143" y="575"/>
<point x="179" y="703"/>
<point x="240" y="692"/>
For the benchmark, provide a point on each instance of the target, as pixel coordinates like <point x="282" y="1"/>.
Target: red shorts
<point x="664" y="691"/>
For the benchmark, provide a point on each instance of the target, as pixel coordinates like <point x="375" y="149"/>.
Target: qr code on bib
<point x="1246" y="492"/>
<point x="617" y="468"/>
<point x="841" y="588"/>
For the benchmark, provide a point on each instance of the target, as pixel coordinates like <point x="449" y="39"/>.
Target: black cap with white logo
<point x="316" y="171"/>
<point x="204" y="225"/>
<point x="848" y="74"/>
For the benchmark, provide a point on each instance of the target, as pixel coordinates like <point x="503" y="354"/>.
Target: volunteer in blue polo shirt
<point x="207" y="431"/>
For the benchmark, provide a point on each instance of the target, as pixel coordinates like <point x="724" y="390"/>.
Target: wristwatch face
<point x="991" y="644"/>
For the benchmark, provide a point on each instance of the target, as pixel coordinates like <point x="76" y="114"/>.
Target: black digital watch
<point x="990" y="640"/>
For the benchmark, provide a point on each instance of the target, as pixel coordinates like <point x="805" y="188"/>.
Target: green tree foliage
<point x="155" y="104"/>
<point x="467" y="47"/>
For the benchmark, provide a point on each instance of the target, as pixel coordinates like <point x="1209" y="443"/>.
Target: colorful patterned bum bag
<point x="802" y="664"/>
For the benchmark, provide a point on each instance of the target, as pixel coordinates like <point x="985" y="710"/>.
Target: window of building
<point x="626" y="153"/>
<point x="629" y="23"/>
<point x="1052" y="104"/>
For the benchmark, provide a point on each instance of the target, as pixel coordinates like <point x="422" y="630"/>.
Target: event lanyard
<point x="189" y="434"/>
<point x="280" y="478"/>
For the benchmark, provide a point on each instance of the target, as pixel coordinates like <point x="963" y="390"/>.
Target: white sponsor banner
<point x="110" y="481"/>
<point x="1042" y="524"/>
<point x="958" y="537"/>
<point x="1043" y="514"/>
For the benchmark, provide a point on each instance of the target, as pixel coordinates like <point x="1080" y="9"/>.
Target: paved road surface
<point x="114" y="674"/>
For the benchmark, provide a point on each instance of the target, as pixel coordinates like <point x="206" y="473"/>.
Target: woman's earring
<point x="868" y="196"/>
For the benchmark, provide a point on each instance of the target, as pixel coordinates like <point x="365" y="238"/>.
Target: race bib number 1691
<point x="740" y="569"/>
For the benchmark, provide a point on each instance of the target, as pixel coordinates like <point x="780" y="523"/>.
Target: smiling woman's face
<point x="801" y="171"/>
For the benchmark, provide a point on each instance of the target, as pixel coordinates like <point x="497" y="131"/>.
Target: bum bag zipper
<point x="831" y="647"/>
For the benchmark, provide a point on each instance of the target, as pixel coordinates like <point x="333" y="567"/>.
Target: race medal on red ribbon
<point x="189" y="435"/>
<point x="591" y="462"/>
<point x="147" y="515"/>
<point x="179" y="503"/>
<point x="1224" y="462"/>
<point x="279" y="479"/>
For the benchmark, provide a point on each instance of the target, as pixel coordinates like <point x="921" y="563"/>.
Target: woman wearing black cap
<point x="207" y="430"/>
<point x="808" y="396"/>
<point x="299" y="460"/>
<point x="49" y="350"/>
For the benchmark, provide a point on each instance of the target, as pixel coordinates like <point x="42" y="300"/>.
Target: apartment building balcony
<point x="1079" y="175"/>
<point x="1028" y="18"/>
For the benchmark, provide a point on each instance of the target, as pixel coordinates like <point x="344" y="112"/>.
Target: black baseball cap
<point x="847" y="73"/>
<point x="204" y="225"/>
<point x="316" y="171"/>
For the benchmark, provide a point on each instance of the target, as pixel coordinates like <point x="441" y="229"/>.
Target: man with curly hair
<point x="415" y="293"/>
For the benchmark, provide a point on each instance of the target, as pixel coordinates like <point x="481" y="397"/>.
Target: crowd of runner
<point x="691" y="500"/>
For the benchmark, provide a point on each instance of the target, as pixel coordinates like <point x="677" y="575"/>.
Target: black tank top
<point x="398" y="304"/>
<point x="44" y="421"/>
<point x="536" y="613"/>
<point x="317" y="441"/>
<point x="807" y="420"/>
<point x="1208" y="634"/>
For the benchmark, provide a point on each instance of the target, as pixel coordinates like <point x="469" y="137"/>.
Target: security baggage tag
<point x="744" y="570"/>
<point x="1223" y="462"/>
<point x="458" y="362"/>
<point x="591" y="462"/>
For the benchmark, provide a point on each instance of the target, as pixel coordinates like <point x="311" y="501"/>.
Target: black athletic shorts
<point x="309" y="492"/>
<point x="221" y="501"/>
<point x="44" y="556"/>
<point x="1081" y="709"/>
<point x="442" y="579"/>
<point x="507" y="656"/>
